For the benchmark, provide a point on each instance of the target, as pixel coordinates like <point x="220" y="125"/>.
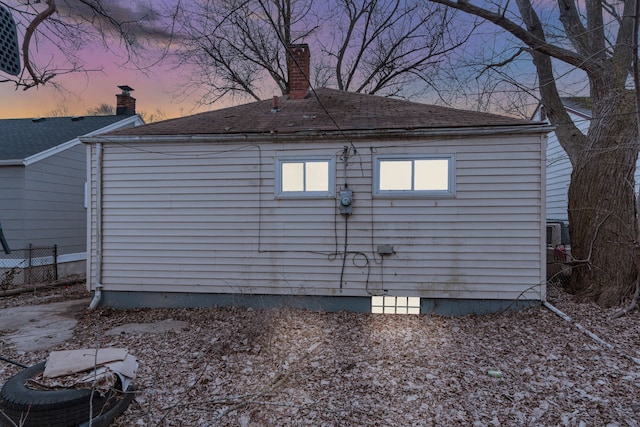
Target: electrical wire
<point x="344" y="254"/>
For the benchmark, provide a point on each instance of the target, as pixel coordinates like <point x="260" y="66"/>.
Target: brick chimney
<point x="125" y="103"/>
<point x="298" y="64"/>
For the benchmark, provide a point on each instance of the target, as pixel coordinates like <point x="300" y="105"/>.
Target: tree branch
<point x="632" y="305"/>
<point x="51" y="9"/>
<point x="623" y="53"/>
<point x="527" y="36"/>
<point x="572" y="24"/>
<point x="505" y="62"/>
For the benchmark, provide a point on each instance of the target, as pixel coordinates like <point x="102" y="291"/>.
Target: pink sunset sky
<point x="155" y="90"/>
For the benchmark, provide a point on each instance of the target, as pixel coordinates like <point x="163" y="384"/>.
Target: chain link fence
<point x="28" y="266"/>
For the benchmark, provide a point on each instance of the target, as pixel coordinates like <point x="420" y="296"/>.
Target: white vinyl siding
<point x="12" y="202"/>
<point x="54" y="201"/>
<point x="42" y="203"/>
<point x="198" y="217"/>
<point x="559" y="173"/>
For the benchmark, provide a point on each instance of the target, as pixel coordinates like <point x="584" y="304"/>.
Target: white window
<point x="305" y="177"/>
<point x="395" y="305"/>
<point x="419" y="176"/>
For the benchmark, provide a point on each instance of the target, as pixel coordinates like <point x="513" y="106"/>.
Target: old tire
<point x="23" y="406"/>
<point x="122" y="401"/>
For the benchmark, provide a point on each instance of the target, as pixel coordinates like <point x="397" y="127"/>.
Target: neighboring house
<point x="325" y="203"/>
<point x="43" y="169"/>
<point x="558" y="165"/>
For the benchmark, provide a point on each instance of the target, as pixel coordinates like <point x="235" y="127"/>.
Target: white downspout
<point x="97" y="296"/>
<point x="588" y="332"/>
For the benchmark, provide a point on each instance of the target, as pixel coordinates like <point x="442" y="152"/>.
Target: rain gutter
<point x="325" y="134"/>
<point x="12" y="162"/>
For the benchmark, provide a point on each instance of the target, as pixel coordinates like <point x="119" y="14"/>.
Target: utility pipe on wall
<point x="97" y="296"/>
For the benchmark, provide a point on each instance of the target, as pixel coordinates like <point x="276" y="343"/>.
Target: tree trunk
<point x="602" y="207"/>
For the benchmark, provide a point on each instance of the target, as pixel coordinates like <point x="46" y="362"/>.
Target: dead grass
<point x="240" y="367"/>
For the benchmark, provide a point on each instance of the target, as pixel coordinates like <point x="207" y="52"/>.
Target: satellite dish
<point x="9" y="48"/>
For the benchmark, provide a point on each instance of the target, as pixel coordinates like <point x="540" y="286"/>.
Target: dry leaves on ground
<point x="286" y="367"/>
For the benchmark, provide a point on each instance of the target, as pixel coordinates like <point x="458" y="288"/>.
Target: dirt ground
<point x="241" y="367"/>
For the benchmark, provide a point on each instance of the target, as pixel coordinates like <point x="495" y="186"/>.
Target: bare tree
<point x="596" y="39"/>
<point x="55" y="32"/>
<point x="385" y="45"/>
<point x="103" y="109"/>
<point x="156" y="116"/>
<point x="237" y="47"/>
<point x="490" y="74"/>
<point x="59" y="111"/>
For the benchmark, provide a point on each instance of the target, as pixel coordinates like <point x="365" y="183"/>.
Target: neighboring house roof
<point x="22" y="138"/>
<point x="337" y="110"/>
<point x="579" y="104"/>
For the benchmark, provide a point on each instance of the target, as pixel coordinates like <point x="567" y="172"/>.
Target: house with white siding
<point x="558" y="164"/>
<point x="43" y="170"/>
<point x="321" y="199"/>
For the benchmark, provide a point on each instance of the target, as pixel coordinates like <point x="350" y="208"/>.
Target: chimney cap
<point x="126" y="89"/>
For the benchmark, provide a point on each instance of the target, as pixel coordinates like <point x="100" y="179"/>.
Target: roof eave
<point x="12" y="162"/>
<point x="135" y="120"/>
<point x="536" y="128"/>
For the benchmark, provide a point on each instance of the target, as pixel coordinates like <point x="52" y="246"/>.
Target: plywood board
<point x="71" y="361"/>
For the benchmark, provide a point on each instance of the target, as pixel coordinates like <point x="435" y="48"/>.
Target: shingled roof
<point x="332" y="110"/>
<point x="22" y="138"/>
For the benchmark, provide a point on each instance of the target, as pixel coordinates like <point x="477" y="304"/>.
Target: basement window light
<point x="395" y="305"/>
<point x="415" y="176"/>
<point x="312" y="177"/>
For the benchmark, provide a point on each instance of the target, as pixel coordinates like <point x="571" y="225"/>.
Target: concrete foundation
<point x="446" y="307"/>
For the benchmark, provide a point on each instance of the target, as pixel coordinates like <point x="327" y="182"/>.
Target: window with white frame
<point x="419" y="176"/>
<point x="305" y="177"/>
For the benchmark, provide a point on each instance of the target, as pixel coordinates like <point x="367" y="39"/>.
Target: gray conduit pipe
<point x="588" y="332"/>
<point x="97" y="296"/>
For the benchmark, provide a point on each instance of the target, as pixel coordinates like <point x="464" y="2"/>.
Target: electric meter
<point x="346" y="197"/>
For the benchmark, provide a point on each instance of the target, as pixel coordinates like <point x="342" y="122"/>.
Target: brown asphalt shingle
<point x="347" y="111"/>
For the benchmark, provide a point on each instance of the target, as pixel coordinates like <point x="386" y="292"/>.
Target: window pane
<point x="292" y="176"/>
<point x="317" y="176"/>
<point x="395" y="175"/>
<point x="431" y="174"/>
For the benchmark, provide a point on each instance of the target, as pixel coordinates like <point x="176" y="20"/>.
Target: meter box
<point x="346" y="198"/>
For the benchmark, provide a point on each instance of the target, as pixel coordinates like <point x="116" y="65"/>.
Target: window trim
<point x="450" y="192"/>
<point x="305" y="194"/>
